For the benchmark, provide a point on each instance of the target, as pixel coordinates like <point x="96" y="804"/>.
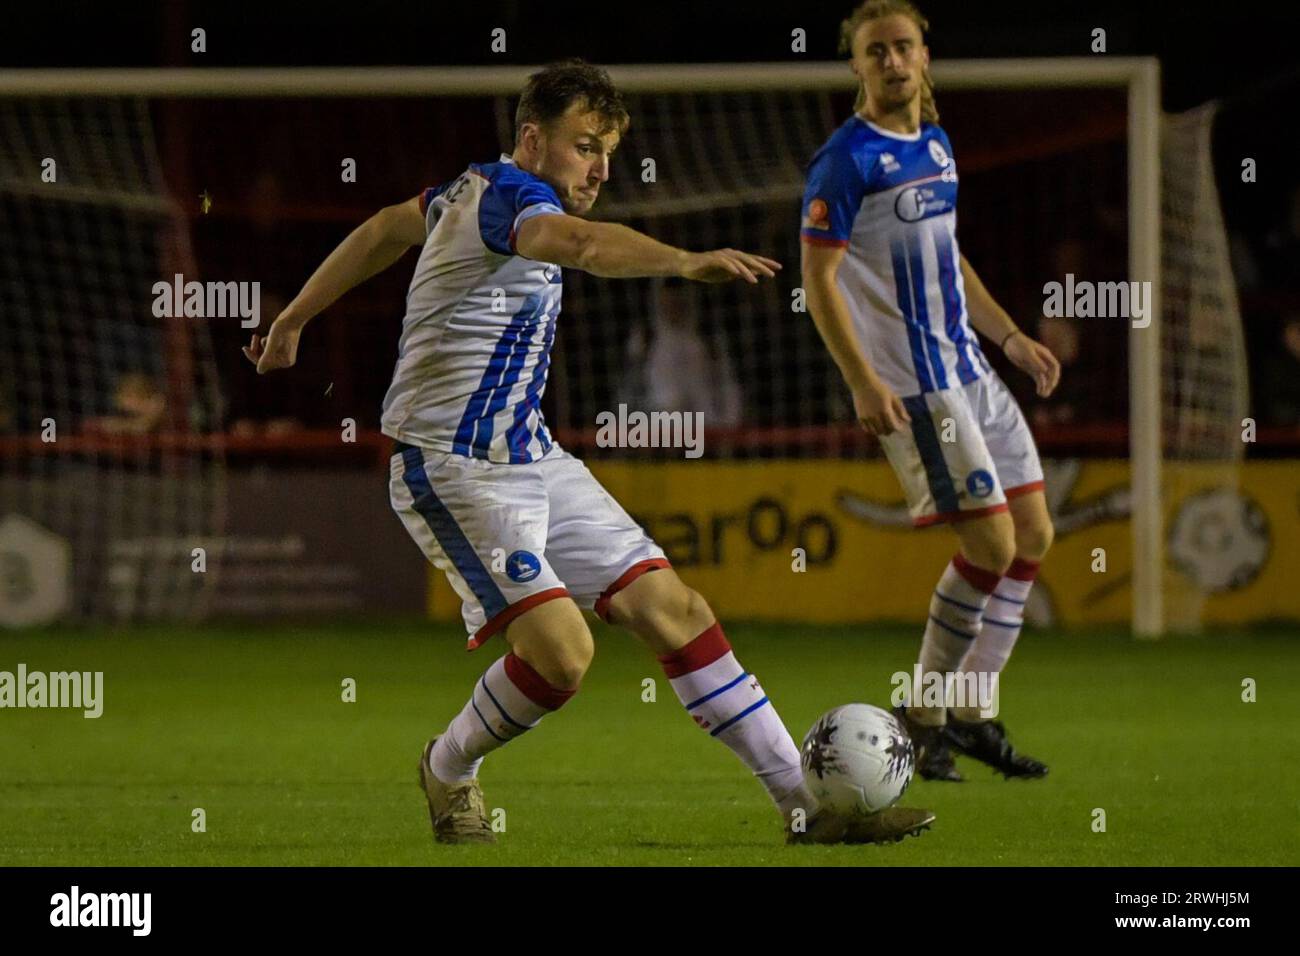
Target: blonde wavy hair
<point x="876" y="10"/>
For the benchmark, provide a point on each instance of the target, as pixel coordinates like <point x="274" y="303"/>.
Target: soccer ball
<point x="857" y="759"/>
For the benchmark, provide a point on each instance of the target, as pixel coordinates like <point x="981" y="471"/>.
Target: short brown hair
<point x="553" y="89"/>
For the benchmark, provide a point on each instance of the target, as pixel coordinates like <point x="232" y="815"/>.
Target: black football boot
<point x="934" y="759"/>
<point x="987" y="742"/>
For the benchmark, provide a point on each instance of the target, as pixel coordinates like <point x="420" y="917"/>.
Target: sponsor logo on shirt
<point x="921" y="202"/>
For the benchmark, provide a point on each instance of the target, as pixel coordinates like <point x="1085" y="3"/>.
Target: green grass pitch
<point x="248" y="724"/>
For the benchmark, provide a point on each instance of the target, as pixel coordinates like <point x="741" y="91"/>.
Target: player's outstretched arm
<point x="879" y="410"/>
<point x="370" y="248"/>
<point x="992" y="321"/>
<point x="615" y="251"/>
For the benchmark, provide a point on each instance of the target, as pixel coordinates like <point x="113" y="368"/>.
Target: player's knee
<point x="1033" y="540"/>
<point x="572" y="663"/>
<point x="697" y="612"/>
<point x="993" y="551"/>
<point x="565" y="660"/>
<point x="555" y="641"/>
<point x="668" y="608"/>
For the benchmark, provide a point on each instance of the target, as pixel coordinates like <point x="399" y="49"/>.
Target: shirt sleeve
<point x="426" y="198"/>
<point x="508" y="202"/>
<point x="831" y="198"/>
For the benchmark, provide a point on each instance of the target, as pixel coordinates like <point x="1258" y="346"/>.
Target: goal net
<point x="1213" y="538"/>
<point x="108" y="477"/>
<point x="1060" y="169"/>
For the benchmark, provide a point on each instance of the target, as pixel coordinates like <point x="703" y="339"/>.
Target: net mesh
<point x="98" y="397"/>
<point x="79" y="257"/>
<point x="1213" y="534"/>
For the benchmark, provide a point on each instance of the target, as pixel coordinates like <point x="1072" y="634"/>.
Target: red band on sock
<point x="534" y="686"/>
<point x="1022" y="570"/>
<point x="701" y="652"/>
<point x="978" y="578"/>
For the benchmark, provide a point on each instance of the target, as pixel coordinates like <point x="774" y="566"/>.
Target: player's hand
<point x="1036" y="360"/>
<point x="724" y="265"/>
<point x="278" y="350"/>
<point x="879" y="410"/>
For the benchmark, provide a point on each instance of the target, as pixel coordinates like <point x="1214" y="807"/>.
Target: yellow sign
<point x="831" y="541"/>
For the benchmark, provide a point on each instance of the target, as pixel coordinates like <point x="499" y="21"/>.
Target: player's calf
<point x="954" y="623"/>
<point x="510" y="699"/>
<point x="724" y="699"/>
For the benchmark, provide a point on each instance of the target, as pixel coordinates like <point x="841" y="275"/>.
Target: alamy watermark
<point x="651" y="430"/>
<point x="209" y="300"/>
<point x="969" y="690"/>
<point x="1100" y="300"/>
<point x="75" y="908"/>
<point x="82" y="690"/>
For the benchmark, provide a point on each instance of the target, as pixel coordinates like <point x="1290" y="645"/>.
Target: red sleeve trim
<point x="814" y="240"/>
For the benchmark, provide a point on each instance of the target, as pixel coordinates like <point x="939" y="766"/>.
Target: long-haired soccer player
<point x="476" y="474"/>
<point x="894" y="301"/>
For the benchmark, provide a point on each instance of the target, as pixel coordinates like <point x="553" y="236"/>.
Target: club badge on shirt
<point x="819" y="215"/>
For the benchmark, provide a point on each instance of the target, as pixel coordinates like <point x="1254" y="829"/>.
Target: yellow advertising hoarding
<point x="830" y="541"/>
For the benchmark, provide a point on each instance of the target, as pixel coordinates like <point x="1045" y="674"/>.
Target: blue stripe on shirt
<point x="903" y="290"/>
<point x="952" y="310"/>
<point x="917" y="268"/>
<point x="465" y="431"/>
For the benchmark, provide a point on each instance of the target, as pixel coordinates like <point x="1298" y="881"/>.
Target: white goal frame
<point x="1139" y="76"/>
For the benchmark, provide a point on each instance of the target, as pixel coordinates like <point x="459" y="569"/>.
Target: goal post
<point x="787" y="128"/>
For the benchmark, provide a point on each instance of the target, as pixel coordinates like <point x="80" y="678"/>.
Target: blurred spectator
<point x="680" y="372"/>
<point x="1061" y="335"/>
<point x="139" y="404"/>
<point x="1277" y="371"/>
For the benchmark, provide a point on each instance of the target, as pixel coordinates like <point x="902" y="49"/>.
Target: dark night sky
<point x="1206" y="49"/>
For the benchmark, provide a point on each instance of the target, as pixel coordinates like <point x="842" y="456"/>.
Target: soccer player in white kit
<point x="523" y="531"/>
<point x="894" y="301"/>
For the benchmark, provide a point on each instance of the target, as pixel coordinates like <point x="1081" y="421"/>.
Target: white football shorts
<point x="968" y="451"/>
<point x="513" y="536"/>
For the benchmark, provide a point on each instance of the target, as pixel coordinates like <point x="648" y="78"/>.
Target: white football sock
<point x="956" y="609"/>
<point x="1003" y="619"/>
<point x="508" y="700"/>
<point x="728" y="702"/>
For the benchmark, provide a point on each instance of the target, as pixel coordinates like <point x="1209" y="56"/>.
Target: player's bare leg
<point x="968" y="730"/>
<point x="678" y="625"/>
<point x="956" y="613"/>
<point x="551" y="649"/>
